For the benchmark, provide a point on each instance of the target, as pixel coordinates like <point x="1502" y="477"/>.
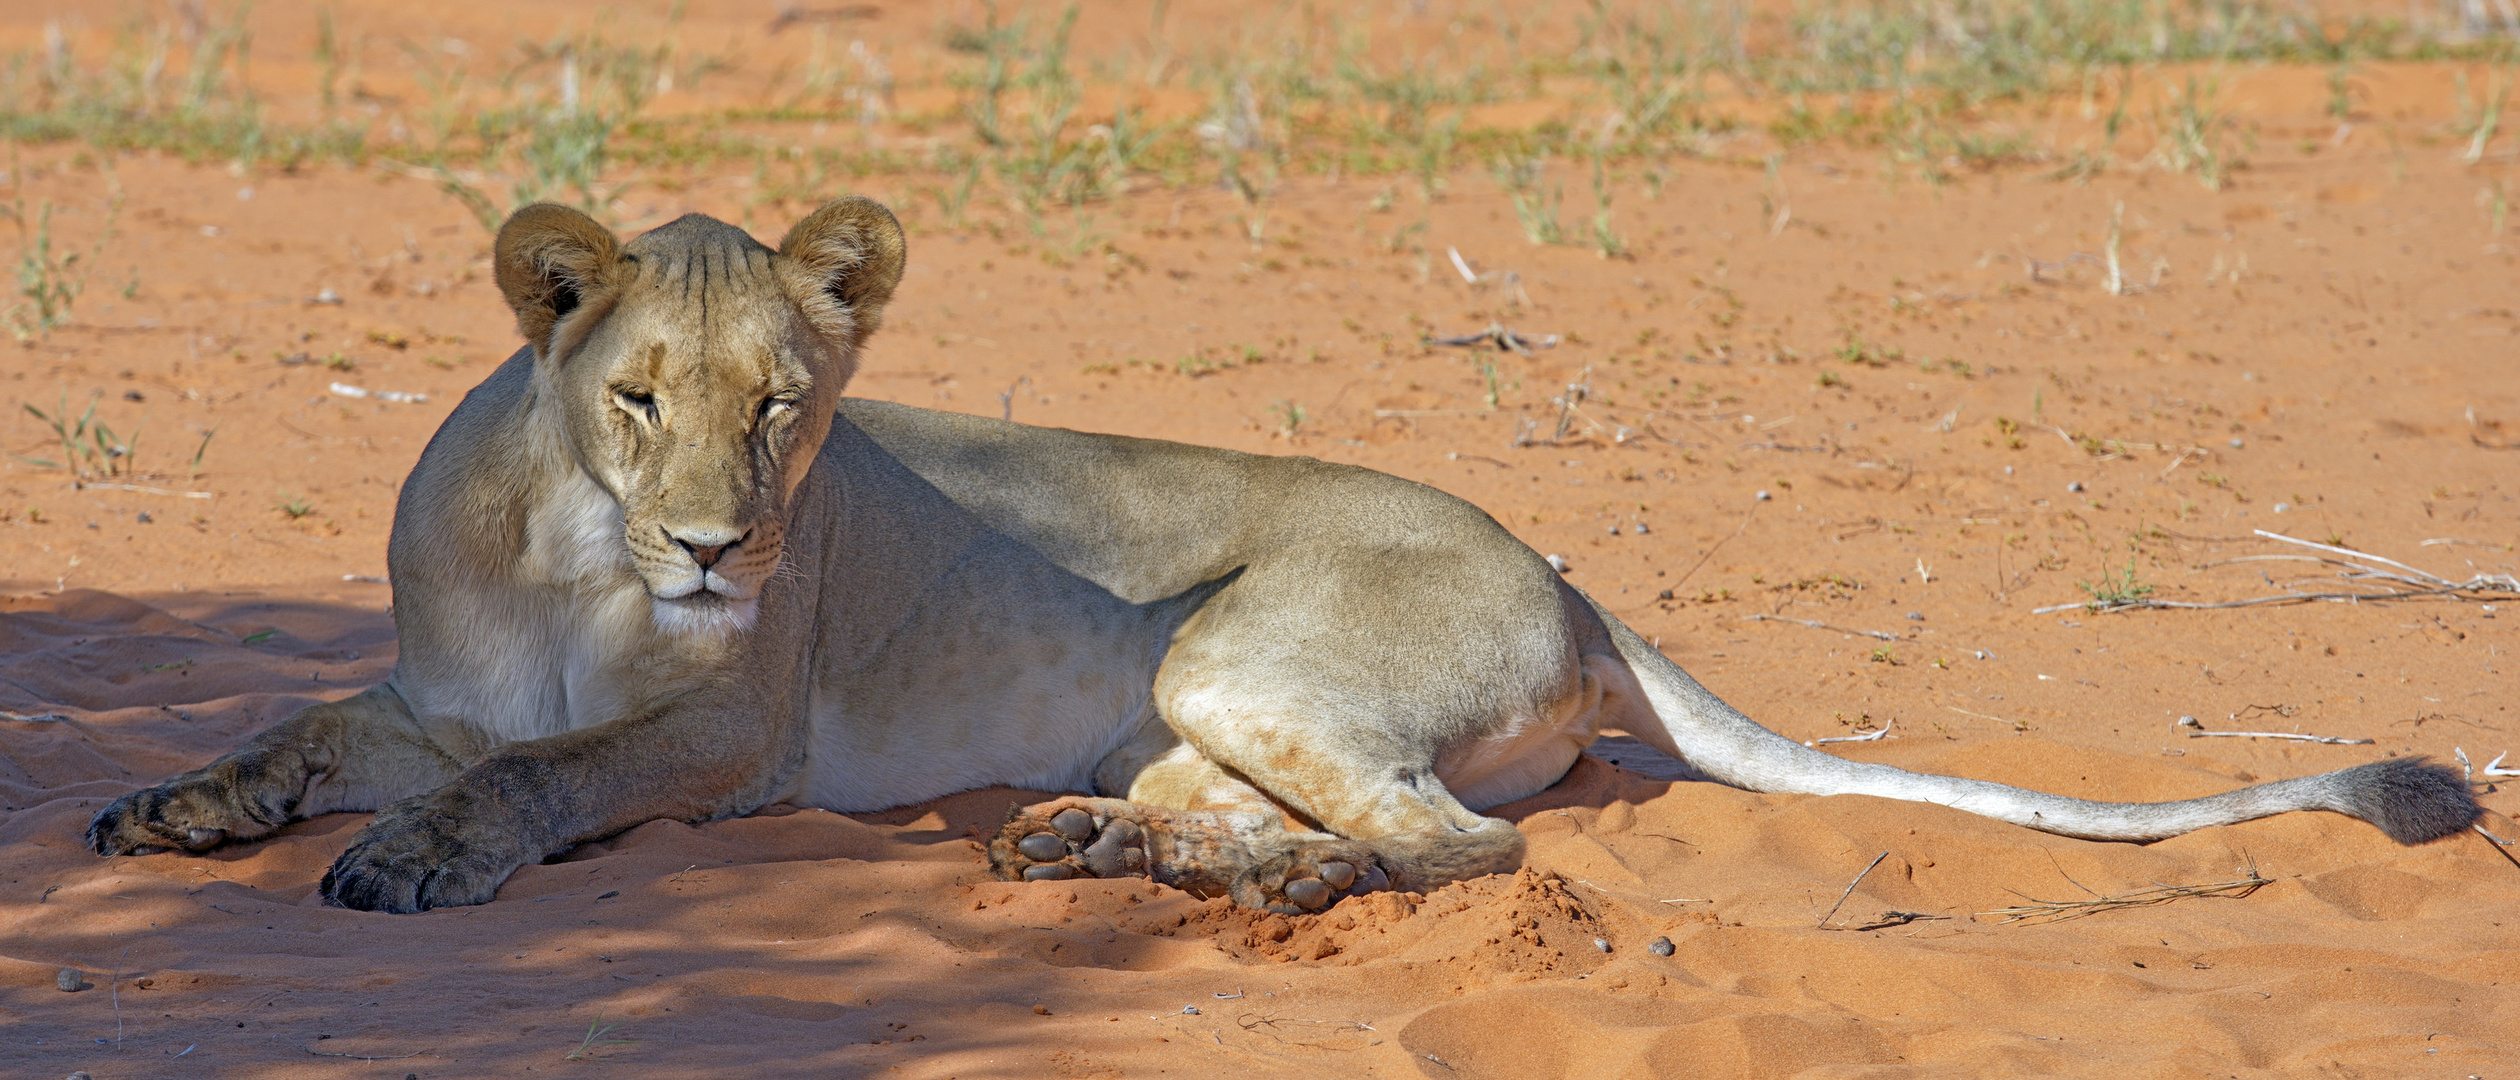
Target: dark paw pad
<point x="1310" y="880"/>
<point x="1075" y="841"/>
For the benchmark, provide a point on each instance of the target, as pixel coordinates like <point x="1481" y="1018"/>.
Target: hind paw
<point x="1071" y="838"/>
<point x="1312" y="877"/>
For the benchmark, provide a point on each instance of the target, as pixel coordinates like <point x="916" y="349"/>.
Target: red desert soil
<point x="1911" y="410"/>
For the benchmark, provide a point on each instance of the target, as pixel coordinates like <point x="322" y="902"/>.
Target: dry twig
<point x="2060" y="910"/>
<point x="1822" y="625"/>
<point x="2198" y="732"/>
<point x="2370" y="577"/>
<point x="1823" y="924"/>
<point x="1501" y="337"/>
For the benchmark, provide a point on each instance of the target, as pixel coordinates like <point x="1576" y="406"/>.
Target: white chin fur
<point x="705" y="615"/>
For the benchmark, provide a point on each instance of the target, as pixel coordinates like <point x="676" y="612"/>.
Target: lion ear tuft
<point x="843" y="262"/>
<point x="551" y="261"/>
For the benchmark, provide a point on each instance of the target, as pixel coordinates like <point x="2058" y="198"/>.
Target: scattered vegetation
<point x="1301" y="91"/>
<point x="2116" y="589"/>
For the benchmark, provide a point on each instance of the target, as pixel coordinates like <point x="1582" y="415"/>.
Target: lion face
<point x="696" y="373"/>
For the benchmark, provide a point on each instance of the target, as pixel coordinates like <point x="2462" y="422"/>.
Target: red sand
<point x="2344" y="316"/>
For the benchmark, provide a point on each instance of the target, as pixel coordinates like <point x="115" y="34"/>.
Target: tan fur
<point x="656" y="567"/>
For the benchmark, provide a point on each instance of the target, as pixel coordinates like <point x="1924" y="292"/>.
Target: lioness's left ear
<point x="841" y="264"/>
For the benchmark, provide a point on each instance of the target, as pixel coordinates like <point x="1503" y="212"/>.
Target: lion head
<point x="695" y="373"/>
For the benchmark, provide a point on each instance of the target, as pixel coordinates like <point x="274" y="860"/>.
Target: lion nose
<point x="705" y="545"/>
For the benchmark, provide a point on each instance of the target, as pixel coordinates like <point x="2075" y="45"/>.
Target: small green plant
<point x="1883" y="655"/>
<point x="1495" y="383"/>
<point x="1535" y="200"/>
<point x="49" y="280"/>
<point x="294" y="506"/>
<point x="1606" y="241"/>
<point x="1290" y="416"/>
<point x="595" y="1033"/>
<point x="90" y="449"/>
<point x="2116" y="590"/>
<point x="193" y="471"/>
<point x="2195" y="133"/>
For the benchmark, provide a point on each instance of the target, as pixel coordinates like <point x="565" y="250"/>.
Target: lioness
<point x="656" y="567"/>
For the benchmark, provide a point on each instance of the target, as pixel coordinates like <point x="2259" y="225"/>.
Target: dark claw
<point x="1338" y="875"/>
<point x="1049" y="871"/>
<point x="1308" y="892"/>
<point x="1073" y="823"/>
<point x="1042" y="847"/>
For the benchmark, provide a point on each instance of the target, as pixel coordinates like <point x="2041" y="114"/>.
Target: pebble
<point x="1916" y="616"/>
<point x="1660" y="946"/>
<point x="71" y="980"/>
<point x="1764" y="496"/>
<point x="1601" y="944"/>
<point x="1559" y="563"/>
<point x="2075" y="486"/>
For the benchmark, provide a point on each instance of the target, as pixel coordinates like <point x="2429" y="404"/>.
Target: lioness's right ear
<point x="551" y="261"/>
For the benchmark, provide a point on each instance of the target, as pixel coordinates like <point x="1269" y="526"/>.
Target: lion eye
<point x="773" y="406"/>
<point x="637" y="400"/>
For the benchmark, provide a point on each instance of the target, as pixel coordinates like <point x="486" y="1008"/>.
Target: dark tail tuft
<point x="2411" y="799"/>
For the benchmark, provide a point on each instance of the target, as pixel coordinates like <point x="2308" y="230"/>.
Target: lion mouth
<point x="702" y="613"/>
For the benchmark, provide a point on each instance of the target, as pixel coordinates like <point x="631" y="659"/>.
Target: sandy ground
<point x="1954" y="423"/>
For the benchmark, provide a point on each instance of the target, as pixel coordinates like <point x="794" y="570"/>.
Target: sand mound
<point x="816" y="944"/>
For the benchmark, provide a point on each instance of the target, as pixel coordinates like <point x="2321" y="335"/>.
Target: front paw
<point x="416" y="856"/>
<point x="194" y="812"/>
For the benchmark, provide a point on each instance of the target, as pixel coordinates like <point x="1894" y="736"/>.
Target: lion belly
<point x="928" y="701"/>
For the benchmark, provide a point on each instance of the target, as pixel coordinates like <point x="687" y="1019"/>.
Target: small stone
<point x="1916" y="616"/>
<point x="2074" y="486"/>
<point x="609" y="895"/>
<point x="1614" y="530"/>
<point x="2281" y="507"/>
<point x="1602" y="944"/>
<point x="1660" y="946"/>
<point x="79" y="1075"/>
<point x="1041" y="1010"/>
<point x="1642" y="528"/>
<point x="1559" y="563"/>
<point x="1666" y="594"/>
<point x="2238" y="443"/>
<point x="71" y="980"/>
<point x="1764" y="496"/>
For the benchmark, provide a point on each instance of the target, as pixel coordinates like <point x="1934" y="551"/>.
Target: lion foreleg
<point x="354" y="754"/>
<point x="693" y="761"/>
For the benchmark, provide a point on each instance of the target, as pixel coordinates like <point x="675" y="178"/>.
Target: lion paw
<point x="415" y="857"/>
<point x="193" y="812"/>
<point x="1069" y="838"/>
<point x="1312" y="877"/>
